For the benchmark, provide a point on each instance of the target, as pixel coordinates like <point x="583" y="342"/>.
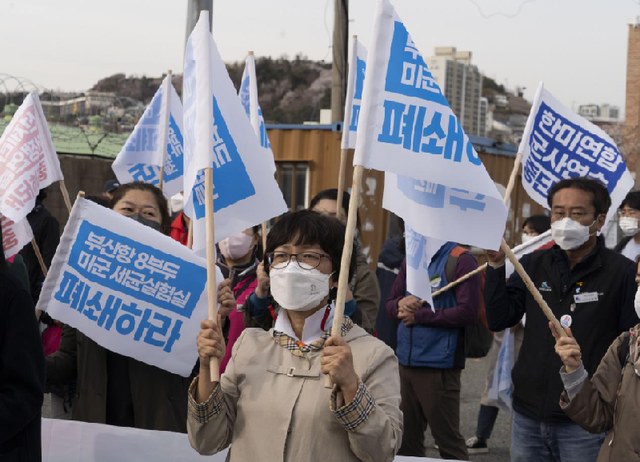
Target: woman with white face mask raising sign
<point x="609" y="401"/>
<point x="238" y="260"/>
<point x="271" y="402"/>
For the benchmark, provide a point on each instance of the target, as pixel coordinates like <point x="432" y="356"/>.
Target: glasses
<point x="306" y="260"/>
<point x="629" y="212"/>
<point x="575" y="216"/>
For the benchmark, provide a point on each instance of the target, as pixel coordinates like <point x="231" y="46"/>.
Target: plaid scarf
<point x="297" y="348"/>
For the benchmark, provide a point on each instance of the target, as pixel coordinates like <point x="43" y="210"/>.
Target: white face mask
<point x="629" y="226"/>
<point x="570" y="234"/>
<point x="236" y="247"/>
<point x="296" y="289"/>
<point x="636" y="302"/>
<point x="526" y="237"/>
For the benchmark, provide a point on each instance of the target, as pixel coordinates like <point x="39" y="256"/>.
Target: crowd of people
<point x="395" y="370"/>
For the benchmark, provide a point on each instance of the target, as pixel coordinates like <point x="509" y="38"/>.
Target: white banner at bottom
<point x="66" y="440"/>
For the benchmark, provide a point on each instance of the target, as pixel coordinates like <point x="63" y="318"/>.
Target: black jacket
<point x="22" y="373"/>
<point x="46" y="232"/>
<point x="595" y="324"/>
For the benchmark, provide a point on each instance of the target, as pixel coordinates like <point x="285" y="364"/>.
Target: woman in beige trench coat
<point x="271" y="403"/>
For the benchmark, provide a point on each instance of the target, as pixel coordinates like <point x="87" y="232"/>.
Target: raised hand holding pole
<point x="347" y="250"/>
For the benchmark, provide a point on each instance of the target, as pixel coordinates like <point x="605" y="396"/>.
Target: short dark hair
<point x="165" y="218"/>
<point x="332" y="194"/>
<point x="601" y="200"/>
<point x="632" y="200"/>
<point x="539" y="223"/>
<point x="307" y="227"/>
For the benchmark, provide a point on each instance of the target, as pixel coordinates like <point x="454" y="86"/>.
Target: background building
<point x="462" y="85"/>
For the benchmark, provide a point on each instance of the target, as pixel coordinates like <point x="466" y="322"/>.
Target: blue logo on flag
<point x="407" y="73"/>
<point x="435" y="196"/>
<point x="560" y="149"/>
<point x="231" y="180"/>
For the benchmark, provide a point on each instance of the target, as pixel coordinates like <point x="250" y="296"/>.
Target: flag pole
<point x="258" y="134"/>
<point x="345" y="128"/>
<point x="36" y="250"/>
<point x="190" y="235"/>
<point x="166" y="114"/>
<point x="347" y="250"/>
<point x="537" y="296"/>
<point x="214" y="365"/>
<point x="507" y="197"/>
<point x="65" y="195"/>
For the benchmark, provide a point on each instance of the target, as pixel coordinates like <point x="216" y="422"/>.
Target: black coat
<point x="22" y="374"/>
<point x="595" y="324"/>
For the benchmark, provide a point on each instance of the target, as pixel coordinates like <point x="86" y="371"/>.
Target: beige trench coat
<point x="277" y="408"/>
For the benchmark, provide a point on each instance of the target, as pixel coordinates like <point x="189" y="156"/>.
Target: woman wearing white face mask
<point x="610" y="400"/>
<point x="271" y="403"/>
<point x="238" y="260"/>
<point x="629" y="213"/>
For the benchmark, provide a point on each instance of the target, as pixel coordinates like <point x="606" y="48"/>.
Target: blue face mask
<point x="145" y="221"/>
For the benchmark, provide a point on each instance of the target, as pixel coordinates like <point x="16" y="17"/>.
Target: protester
<point x="608" y="401"/>
<point x="46" y="233"/>
<point x="271" y="402"/>
<point x="238" y="261"/>
<point x="629" y="213"/>
<point x="389" y="262"/>
<point x="488" y="413"/>
<point x="22" y="371"/>
<point x="432" y="351"/>
<point x="588" y="287"/>
<point x="110" y="187"/>
<point x="115" y="389"/>
<point x="364" y="283"/>
<point x="180" y="228"/>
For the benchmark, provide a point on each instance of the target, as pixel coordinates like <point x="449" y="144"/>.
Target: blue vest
<point x="424" y="346"/>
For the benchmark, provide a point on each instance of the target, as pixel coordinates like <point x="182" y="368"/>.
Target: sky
<point x="577" y="47"/>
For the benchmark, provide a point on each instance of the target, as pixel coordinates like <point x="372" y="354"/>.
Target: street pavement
<point x="473" y="382"/>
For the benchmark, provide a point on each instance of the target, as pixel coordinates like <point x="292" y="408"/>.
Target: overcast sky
<point x="577" y="47"/>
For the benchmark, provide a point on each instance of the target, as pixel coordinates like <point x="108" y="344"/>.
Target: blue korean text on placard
<point x="437" y="196"/>
<point x="112" y="312"/>
<point x="173" y="163"/>
<point x="231" y="181"/>
<point x="357" y="94"/>
<point x="138" y="270"/>
<point x="407" y="73"/>
<point x="560" y="149"/>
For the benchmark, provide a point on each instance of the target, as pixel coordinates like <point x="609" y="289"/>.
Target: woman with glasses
<point x="271" y="402"/>
<point x="629" y="214"/>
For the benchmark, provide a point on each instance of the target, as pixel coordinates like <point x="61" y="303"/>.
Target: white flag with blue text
<point x="218" y="134"/>
<point x="355" y="82"/>
<point x="141" y="157"/>
<point x="406" y="127"/>
<point x="128" y="287"/>
<point x="559" y="144"/>
<point x="28" y="160"/>
<point x="248" y="95"/>
<point x="420" y="251"/>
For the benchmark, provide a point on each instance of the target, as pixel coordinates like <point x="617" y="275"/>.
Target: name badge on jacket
<point x="586" y="297"/>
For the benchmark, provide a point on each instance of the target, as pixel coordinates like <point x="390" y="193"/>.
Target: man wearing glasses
<point x="629" y="214"/>
<point x="589" y="288"/>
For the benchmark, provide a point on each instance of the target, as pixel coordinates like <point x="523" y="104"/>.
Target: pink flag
<point x="28" y="160"/>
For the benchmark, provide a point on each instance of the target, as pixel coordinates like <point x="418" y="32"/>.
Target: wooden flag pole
<point x="537" y="296"/>
<point x="507" y="196"/>
<point x="212" y="286"/>
<point x="65" y="195"/>
<point x="167" y="98"/>
<point x="190" y="235"/>
<point x="36" y="250"/>
<point x="347" y="250"/>
<point x="341" y="175"/>
<point x="264" y="237"/>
